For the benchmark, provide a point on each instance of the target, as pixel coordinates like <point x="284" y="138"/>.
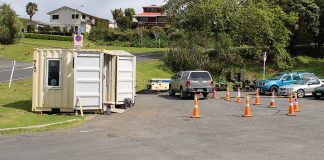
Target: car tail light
<point x="212" y="83"/>
<point x="187" y="83"/>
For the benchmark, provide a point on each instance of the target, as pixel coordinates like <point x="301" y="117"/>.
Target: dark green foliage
<point x="10" y="25"/>
<point x="48" y="37"/>
<point x="31" y="9"/>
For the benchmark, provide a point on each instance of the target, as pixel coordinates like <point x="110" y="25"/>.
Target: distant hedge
<point x="48" y="37"/>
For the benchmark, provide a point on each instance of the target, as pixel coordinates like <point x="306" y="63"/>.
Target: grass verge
<point x="24" y="51"/>
<point x="15" y="109"/>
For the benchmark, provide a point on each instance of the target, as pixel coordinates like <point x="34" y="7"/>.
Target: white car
<point x="303" y="88"/>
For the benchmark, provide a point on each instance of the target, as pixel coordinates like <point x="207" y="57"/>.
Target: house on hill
<point x="152" y="15"/>
<point x="69" y="17"/>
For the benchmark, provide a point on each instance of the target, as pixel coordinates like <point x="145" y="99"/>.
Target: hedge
<point x="48" y="37"/>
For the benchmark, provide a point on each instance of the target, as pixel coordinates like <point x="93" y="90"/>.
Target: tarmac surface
<point x="22" y="70"/>
<point x="160" y="127"/>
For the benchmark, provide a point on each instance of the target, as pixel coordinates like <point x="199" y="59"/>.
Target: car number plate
<point x="318" y="94"/>
<point x="200" y="90"/>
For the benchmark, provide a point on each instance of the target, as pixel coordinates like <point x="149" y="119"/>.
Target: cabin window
<point x="75" y="16"/>
<point x="53" y="73"/>
<point x="55" y="16"/>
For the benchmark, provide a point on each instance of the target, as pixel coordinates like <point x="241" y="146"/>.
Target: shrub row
<point x="48" y="37"/>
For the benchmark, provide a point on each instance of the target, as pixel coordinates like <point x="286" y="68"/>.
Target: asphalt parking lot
<point x="160" y="127"/>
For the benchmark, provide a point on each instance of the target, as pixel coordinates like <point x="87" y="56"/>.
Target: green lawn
<point x="146" y="70"/>
<point x="23" y="51"/>
<point x="308" y="64"/>
<point x="15" y="106"/>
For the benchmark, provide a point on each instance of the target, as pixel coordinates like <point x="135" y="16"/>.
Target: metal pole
<point x="264" y="65"/>
<point x="12" y="71"/>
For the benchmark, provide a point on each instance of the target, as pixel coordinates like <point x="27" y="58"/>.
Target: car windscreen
<point x="276" y="77"/>
<point x="200" y="75"/>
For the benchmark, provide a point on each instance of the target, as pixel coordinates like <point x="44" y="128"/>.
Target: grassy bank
<point x="150" y="69"/>
<point x="308" y="64"/>
<point x="15" y="107"/>
<point x="23" y="51"/>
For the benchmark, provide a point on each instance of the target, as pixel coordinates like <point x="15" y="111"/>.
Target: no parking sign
<point x="78" y="41"/>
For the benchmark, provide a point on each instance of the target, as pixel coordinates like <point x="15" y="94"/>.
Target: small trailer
<point x="158" y="84"/>
<point x="98" y="80"/>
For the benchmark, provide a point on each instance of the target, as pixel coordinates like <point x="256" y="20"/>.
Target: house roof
<point x="65" y="7"/>
<point x="35" y="22"/>
<point x="150" y="14"/>
<point x="152" y="6"/>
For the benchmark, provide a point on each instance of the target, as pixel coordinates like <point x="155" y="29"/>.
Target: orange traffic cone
<point x="247" y="112"/>
<point x="273" y="103"/>
<point x="257" y="98"/>
<point x="296" y="106"/>
<point x="227" y="97"/>
<point x="214" y="96"/>
<point x="196" y="110"/>
<point x="291" y="107"/>
<point x="238" y="98"/>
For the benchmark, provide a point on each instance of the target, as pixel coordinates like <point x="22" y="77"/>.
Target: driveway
<point x="22" y="70"/>
<point x="159" y="127"/>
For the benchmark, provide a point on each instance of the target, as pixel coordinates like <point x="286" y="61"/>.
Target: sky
<point x="98" y="8"/>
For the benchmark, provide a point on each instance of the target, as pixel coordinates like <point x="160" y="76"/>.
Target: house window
<point x="75" y="16"/>
<point x="53" y="73"/>
<point x="55" y="16"/>
<point x="83" y="16"/>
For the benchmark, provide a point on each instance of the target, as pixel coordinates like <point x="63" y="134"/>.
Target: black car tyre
<point x="274" y="88"/>
<point x="171" y="93"/>
<point x="300" y="93"/>
<point x="317" y="97"/>
<point x="205" y="95"/>
<point x="182" y="94"/>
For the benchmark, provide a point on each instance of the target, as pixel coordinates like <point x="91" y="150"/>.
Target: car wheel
<point x="205" y="95"/>
<point x="275" y="89"/>
<point x="182" y="94"/>
<point x="300" y="93"/>
<point x="171" y="93"/>
<point x="317" y="97"/>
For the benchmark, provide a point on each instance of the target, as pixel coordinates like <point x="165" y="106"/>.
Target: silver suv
<point x="190" y="83"/>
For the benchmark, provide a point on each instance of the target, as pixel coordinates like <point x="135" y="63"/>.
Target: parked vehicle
<point x="319" y="92"/>
<point x="281" y="79"/>
<point x="158" y="84"/>
<point x="191" y="82"/>
<point x="249" y="86"/>
<point x="303" y="88"/>
<point x="220" y="86"/>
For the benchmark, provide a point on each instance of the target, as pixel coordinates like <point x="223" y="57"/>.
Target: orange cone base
<point x="227" y="99"/>
<point x="296" y="108"/>
<point x="256" y="104"/>
<point x="238" y="100"/>
<point x="291" y="114"/>
<point x="195" y="116"/>
<point x="247" y="115"/>
<point x="272" y="105"/>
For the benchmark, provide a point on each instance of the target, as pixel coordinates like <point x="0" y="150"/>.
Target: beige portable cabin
<point x="100" y="79"/>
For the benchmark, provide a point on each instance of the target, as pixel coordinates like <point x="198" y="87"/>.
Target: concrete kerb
<point x="39" y="126"/>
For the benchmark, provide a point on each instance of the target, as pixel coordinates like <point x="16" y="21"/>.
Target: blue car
<point x="281" y="79"/>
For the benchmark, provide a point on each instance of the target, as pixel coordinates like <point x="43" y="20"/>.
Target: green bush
<point x="47" y="37"/>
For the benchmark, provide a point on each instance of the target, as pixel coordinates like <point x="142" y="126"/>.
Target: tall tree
<point x="117" y="14"/>
<point x="129" y="12"/>
<point x="31" y="9"/>
<point x="10" y="25"/>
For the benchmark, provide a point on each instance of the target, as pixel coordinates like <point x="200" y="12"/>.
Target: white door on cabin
<point x="88" y="80"/>
<point x="126" y="78"/>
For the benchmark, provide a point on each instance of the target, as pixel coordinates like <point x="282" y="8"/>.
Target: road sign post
<point x="264" y="54"/>
<point x="12" y="72"/>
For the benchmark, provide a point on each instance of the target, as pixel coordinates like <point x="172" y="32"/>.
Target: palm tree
<point x="31" y="9"/>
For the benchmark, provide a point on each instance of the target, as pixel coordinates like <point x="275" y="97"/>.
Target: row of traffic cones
<point x="293" y="107"/>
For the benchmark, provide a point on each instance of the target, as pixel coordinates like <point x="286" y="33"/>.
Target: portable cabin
<point x="98" y="79"/>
